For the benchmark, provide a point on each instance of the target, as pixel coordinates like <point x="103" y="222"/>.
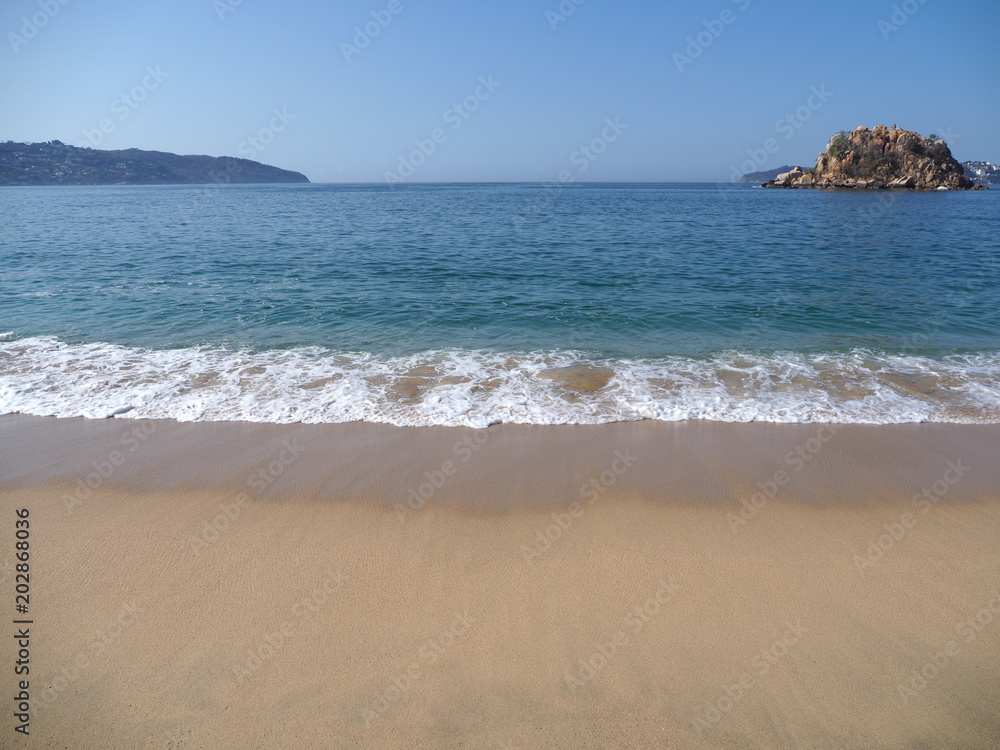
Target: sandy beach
<point x="683" y="585"/>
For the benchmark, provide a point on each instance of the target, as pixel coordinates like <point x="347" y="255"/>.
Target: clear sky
<point x="458" y="90"/>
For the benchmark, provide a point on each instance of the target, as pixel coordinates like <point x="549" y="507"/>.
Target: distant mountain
<point x="983" y="172"/>
<point x="760" y="177"/>
<point x="55" y="163"/>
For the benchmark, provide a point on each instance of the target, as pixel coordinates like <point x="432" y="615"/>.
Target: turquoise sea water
<point x="476" y="304"/>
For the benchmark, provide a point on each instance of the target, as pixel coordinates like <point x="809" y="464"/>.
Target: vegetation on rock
<point x="881" y="158"/>
<point x="55" y="163"/>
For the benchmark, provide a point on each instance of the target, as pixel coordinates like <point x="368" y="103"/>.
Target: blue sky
<point x="443" y="90"/>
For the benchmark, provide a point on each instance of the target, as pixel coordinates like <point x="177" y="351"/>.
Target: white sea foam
<point x="45" y="376"/>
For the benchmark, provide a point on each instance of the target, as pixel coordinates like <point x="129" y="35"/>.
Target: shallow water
<point x="476" y="304"/>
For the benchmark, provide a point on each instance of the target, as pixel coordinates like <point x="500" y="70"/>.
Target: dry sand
<point x="261" y="586"/>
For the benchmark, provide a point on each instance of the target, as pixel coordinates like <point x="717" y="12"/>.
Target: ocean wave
<point x="46" y="376"/>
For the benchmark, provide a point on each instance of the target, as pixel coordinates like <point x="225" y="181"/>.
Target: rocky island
<point x="55" y="163"/>
<point x="881" y="158"/>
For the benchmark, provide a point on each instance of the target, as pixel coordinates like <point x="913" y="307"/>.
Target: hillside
<point x="55" y="163"/>
<point x="881" y="158"/>
<point x="983" y="172"/>
<point x="764" y="176"/>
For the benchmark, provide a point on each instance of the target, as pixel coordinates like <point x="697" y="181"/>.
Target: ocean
<point x="500" y="303"/>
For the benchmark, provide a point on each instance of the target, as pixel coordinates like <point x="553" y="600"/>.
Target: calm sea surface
<point x="477" y="304"/>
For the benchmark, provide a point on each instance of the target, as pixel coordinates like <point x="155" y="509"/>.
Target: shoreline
<point x="313" y="384"/>
<point x="534" y="465"/>
<point x="582" y="586"/>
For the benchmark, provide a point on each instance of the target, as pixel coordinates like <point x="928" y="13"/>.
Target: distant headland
<point x="764" y="176"/>
<point x="55" y="163"/>
<point x="881" y="158"/>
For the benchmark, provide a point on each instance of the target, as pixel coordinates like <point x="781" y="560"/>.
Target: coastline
<point x="570" y="586"/>
<point x="537" y="466"/>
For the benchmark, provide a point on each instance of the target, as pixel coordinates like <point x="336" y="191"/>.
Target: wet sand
<point x="630" y="585"/>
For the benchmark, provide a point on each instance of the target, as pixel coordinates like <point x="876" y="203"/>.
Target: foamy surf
<point x="46" y="376"/>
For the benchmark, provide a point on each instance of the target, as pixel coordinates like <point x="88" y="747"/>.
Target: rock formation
<point x="878" y="159"/>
